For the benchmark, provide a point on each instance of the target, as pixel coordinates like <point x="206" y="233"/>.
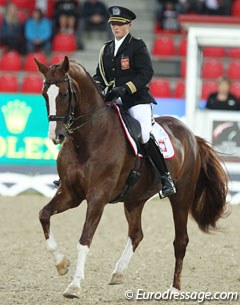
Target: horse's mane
<point x="72" y="61"/>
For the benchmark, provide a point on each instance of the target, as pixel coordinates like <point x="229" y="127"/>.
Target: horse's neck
<point x="89" y="110"/>
<point x="89" y="98"/>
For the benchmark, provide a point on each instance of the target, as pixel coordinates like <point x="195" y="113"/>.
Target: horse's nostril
<point x="61" y="138"/>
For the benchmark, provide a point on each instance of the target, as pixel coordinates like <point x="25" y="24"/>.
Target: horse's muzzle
<point x="59" y="135"/>
<point x="59" y="139"/>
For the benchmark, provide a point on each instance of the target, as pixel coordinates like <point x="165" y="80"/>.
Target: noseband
<point x="69" y="115"/>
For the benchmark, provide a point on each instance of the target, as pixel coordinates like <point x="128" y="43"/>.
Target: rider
<point x="124" y="70"/>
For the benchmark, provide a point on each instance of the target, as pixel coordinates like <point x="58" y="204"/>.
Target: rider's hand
<point x="116" y="92"/>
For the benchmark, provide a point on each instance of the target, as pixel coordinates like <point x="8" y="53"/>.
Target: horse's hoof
<point x="117" y="278"/>
<point x="72" y="292"/>
<point x="62" y="267"/>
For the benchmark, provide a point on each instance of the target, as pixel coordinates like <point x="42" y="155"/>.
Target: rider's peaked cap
<point x="120" y="14"/>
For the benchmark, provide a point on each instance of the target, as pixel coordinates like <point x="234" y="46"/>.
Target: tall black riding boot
<point x="157" y="160"/>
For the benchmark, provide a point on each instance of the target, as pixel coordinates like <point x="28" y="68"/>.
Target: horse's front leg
<point x="94" y="212"/>
<point x="61" y="202"/>
<point x="133" y="212"/>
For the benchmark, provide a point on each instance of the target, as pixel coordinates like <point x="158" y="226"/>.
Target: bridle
<point x="69" y="115"/>
<point x="69" y="118"/>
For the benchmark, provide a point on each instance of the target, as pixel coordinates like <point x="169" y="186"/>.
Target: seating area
<point x="169" y="48"/>
<point x="64" y="43"/>
<point x="29" y="83"/>
<point x="217" y="62"/>
<point x="213" y="67"/>
<point x="22" y="66"/>
<point x="19" y="74"/>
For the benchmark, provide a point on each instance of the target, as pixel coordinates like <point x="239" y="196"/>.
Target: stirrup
<point x="168" y="188"/>
<point x="56" y="183"/>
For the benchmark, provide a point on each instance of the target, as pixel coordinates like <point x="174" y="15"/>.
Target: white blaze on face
<point x="52" y="95"/>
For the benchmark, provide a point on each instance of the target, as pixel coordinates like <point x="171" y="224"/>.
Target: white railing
<point x="13" y="184"/>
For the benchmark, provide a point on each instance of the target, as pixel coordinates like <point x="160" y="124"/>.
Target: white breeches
<point x="143" y="113"/>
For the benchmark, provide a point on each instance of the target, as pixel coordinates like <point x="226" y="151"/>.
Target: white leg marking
<point x="52" y="93"/>
<point x="125" y="258"/>
<point x="79" y="273"/>
<point x="53" y="249"/>
<point x="173" y="290"/>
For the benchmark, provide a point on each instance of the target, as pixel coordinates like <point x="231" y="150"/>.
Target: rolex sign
<point x="24" y="131"/>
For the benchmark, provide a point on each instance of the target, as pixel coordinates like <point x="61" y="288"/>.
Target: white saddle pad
<point x="159" y="133"/>
<point x="164" y="141"/>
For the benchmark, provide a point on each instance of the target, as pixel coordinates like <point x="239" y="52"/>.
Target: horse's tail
<point x="211" y="190"/>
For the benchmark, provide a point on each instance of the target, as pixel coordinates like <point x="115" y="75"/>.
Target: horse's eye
<point x="63" y="95"/>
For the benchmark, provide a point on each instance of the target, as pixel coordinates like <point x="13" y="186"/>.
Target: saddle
<point x="133" y="126"/>
<point x="133" y="133"/>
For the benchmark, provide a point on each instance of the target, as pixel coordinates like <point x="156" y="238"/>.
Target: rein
<point x="87" y="117"/>
<point x="69" y="118"/>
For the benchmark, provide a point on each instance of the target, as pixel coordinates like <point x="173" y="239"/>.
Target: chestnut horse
<point x="94" y="163"/>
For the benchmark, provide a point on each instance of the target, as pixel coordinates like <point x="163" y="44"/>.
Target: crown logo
<point x="16" y="114"/>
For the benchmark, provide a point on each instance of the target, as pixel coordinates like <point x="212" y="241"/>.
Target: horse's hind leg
<point x="180" y="208"/>
<point x="133" y="214"/>
<point x="61" y="202"/>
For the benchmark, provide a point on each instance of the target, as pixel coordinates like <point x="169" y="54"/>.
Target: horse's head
<point x="58" y="94"/>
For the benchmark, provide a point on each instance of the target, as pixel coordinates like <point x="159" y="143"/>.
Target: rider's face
<point x="120" y="30"/>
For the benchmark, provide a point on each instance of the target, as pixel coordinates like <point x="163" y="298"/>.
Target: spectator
<point x="181" y="7"/>
<point x="213" y="7"/>
<point x="190" y="6"/>
<point x="11" y="33"/>
<point x="43" y="5"/>
<point x="169" y="17"/>
<point x="95" y="17"/>
<point x="217" y="7"/>
<point x="160" y="6"/>
<point x="223" y="99"/>
<point x="38" y="32"/>
<point x="66" y="15"/>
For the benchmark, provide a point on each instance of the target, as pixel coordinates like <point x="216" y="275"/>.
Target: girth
<point x="132" y="179"/>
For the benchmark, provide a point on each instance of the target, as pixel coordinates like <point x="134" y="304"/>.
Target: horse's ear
<point x="65" y="64"/>
<point x="41" y="67"/>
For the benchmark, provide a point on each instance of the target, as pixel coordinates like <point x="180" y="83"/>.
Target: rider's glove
<point x="116" y="92"/>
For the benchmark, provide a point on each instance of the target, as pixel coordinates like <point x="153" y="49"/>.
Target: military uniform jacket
<point x="131" y="67"/>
